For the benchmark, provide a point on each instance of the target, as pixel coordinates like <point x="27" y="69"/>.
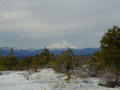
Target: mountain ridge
<point x="21" y="53"/>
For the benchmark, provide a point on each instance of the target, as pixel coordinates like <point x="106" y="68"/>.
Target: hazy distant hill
<point x="20" y="53"/>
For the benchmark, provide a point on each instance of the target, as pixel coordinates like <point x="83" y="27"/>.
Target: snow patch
<point x="47" y="79"/>
<point x="61" y="44"/>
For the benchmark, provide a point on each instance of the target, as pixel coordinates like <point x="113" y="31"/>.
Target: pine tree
<point x="11" y="60"/>
<point x="109" y="56"/>
<point x="65" y="62"/>
<point x="110" y="49"/>
<point x="44" y="57"/>
<point x="2" y="63"/>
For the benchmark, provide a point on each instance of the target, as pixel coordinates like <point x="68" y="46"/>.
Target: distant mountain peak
<point x="61" y="44"/>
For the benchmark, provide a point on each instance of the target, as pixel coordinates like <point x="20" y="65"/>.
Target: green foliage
<point x="96" y="63"/>
<point x="110" y="48"/>
<point x="0" y="73"/>
<point x="45" y="56"/>
<point x="65" y="62"/>
<point x="2" y="64"/>
<point x="109" y="56"/>
<point x="10" y="61"/>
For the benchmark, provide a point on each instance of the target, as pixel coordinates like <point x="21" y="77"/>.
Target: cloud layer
<point x="37" y="23"/>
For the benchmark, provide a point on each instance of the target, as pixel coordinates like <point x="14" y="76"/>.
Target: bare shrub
<point x="27" y="74"/>
<point x="81" y="72"/>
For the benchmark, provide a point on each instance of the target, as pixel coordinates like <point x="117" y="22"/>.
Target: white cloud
<point x="52" y="18"/>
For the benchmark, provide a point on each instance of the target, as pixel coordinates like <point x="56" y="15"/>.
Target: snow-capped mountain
<point x="21" y="53"/>
<point x="56" y="48"/>
<point x="61" y="44"/>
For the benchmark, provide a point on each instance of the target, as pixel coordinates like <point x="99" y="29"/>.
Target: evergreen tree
<point x="110" y="50"/>
<point x="11" y="60"/>
<point x="44" y="57"/>
<point x="2" y="63"/>
<point x="65" y="62"/>
<point x="109" y="56"/>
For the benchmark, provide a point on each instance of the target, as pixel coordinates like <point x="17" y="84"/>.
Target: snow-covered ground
<point x="46" y="79"/>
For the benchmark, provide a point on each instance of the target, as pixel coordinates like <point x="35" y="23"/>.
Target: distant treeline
<point x="61" y="63"/>
<point x="22" y="53"/>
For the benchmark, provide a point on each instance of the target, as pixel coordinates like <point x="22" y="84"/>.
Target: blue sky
<point x="38" y="23"/>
